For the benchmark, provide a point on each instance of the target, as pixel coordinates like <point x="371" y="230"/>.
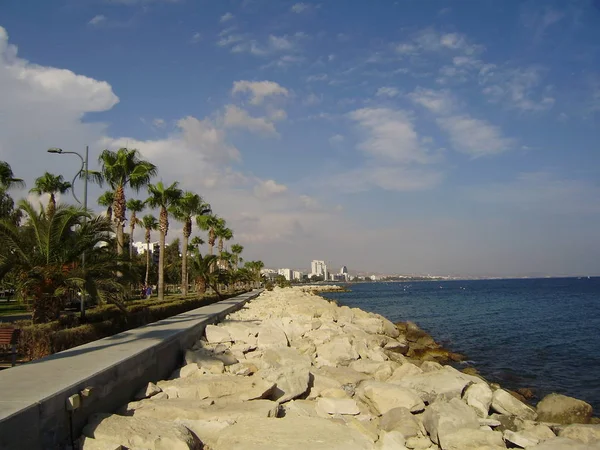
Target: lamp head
<point x="55" y="150"/>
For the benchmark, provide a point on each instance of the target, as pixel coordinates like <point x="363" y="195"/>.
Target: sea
<point x="542" y="334"/>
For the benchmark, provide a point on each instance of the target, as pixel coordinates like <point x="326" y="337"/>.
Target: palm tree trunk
<point x="131" y="228"/>
<point x="119" y="214"/>
<point x="184" y="269"/>
<point x="161" y="267"/>
<point x="147" y="262"/>
<point x="51" y="206"/>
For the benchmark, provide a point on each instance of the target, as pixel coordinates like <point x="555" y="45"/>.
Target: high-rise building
<point x="343" y="270"/>
<point x="319" y="268"/>
<point x="287" y="273"/>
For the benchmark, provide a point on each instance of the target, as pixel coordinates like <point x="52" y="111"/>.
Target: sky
<point x="413" y="137"/>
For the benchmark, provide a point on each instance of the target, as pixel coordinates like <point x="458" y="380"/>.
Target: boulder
<point x="537" y="431"/>
<point x="150" y="390"/>
<point x="479" y="397"/>
<point x="558" y="408"/>
<point x="338" y="406"/>
<point x="419" y="443"/>
<point x="389" y="329"/>
<point x="343" y="375"/>
<point x="240" y="332"/>
<point x="405" y="370"/>
<point x="402" y="420"/>
<point x="207" y="430"/>
<point x="189" y="370"/>
<point x="284" y="357"/>
<point x="145" y="433"/>
<point x="431" y="366"/>
<point x="588" y="434"/>
<point x="391" y="440"/>
<point x="215" y="386"/>
<point x="469" y="439"/>
<point x="300" y="408"/>
<point x="290" y="382"/>
<point x="205" y="360"/>
<point x="271" y="336"/>
<point x="447" y="382"/>
<point x="504" y="403"/>
<point x="291" y="433"/>
<point x="243" y="368"/>
<point x="337" y="352"/>
<point x="520" y="439"/>
<point x="86" y="443"/>
<point x="216" y="334"/>
<point x="444" y="418"/>
<point x="192" y="409"/>
<point x="562" y="443"/>
<point x="385" y="396"/>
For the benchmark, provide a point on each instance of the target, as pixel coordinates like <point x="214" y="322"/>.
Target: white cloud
<point x="318" y="77"/>
<point x="196" y="37"/>
<point x="390" y="136"/>
<point x="389" y="178"/>
<point x="312" y="99"/>
<point x="274" y="44"/>
<point x="259" y="90"/>
<point x="517" y="88"/>
<point x="539" y="20"/>
<point x="269" y="188"/>
<point x="226" y="17"/>
<point x="430" y="40"/>
<point x="387" y="91"/>
<point x="438" y="102"/>
<point x="474" y="137"/>
<point x="235" y="117"/>
<point x="97" y="20"/>
<point x="336" y="139"/>
<point x="299" y="7"/>
<point x="159" y="123"/>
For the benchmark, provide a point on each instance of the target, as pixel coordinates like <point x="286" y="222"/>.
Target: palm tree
<point x="237" y="250"/>
<point x="255" y="267"/>
<point x="122" y="169"/>
<point x="224" y="234"/>
<point x="209" y="223"/>
<point x="195" y="244"/>
<point x="45" y="257"/>
<point x="50" y="184"/>
<point x="135" y="206"/>
<point x="149" y="223"/>
<point x="184" y="210"/>
<point x="163" y="197"/>
<point x="202" y="268"/>
<point x="107" y="200"/>
<point x="7" y="177"/>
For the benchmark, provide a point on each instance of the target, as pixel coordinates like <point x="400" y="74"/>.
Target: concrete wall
<point x="33" y="396"/>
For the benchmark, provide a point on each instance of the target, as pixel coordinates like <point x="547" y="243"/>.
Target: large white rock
<point x="520" y="439"/>
<point x="290" y="382"/>
<point x="207" y="430"/>
<point x="191" y="409"/>
<point x="402" y="420"/>
<point x="371" y="325"/>
<point x="205" y="360"/>
<point x="150" y="390"/>
<point x="557" y="408"/>
<point x="405" y="370"/>
<point x="444" y="418"/>
<point x="271" y="336"/>
<point x="241" y="332"/>
<point x="562" y="443"/>
<point x="215" y="386"/>
<point x="87" y="443"/>
<point x="391" y="440"/>
<point x="337" y="352"/>
<point x="284" y="357"/>
<point x="479" y="397"/>
<point x="504" y="403"/>
<point x="338" y="406"/>
<point x="469" y="439"/>
<point x="385" y="396"/>
<point x="216" y="334"/>
<point x="140" y="433"/>
<point x="291" y="433"/>
<point x="588" y="434"/>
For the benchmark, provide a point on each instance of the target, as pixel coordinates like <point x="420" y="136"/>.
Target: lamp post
<point x="84" y="169"/>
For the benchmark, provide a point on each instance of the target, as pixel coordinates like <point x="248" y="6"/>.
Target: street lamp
<point x="84" y="169"/>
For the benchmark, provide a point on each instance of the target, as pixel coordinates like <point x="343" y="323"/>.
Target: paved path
<point x="114" y="366"/>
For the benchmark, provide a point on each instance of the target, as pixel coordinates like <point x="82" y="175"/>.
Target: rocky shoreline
<point x="292" y="370"/>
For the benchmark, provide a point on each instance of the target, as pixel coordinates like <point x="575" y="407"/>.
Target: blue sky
<point x="393" y="136"/>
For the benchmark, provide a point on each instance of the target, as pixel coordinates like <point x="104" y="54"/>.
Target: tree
<point x="122" y="169"/>
<point x="107" y="200"/>
<point x="50" y="184"/>
<point x="255" y="267"/>
<point x="135" y="206"/>
<point x="189" y="206"/>
<point x="45" y="257"/>
<point x="149" y="223"/>
<point x="237" y="250"/>
<point x="224" y="234"/>
<point x="163" y="197"/>
<point x="209" y="223"/>
<point x="7" y="177"/>
<point x="195" y="244"/>
<point x="202" y="268"/>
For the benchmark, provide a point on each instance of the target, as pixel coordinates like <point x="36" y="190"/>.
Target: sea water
<point x="542" y="334"/>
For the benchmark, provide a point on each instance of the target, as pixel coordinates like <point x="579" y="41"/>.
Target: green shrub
<point x="269" y="286"/>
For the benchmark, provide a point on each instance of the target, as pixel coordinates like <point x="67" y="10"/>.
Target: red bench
<point x="8" y="339"/>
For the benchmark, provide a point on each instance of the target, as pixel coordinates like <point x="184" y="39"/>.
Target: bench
<point x="8" y="338"/>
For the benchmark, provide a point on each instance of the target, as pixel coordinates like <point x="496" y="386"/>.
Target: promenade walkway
<point x="33" y="413"/>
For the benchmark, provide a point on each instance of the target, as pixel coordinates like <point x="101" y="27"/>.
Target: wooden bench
<point x="8" y="338"/>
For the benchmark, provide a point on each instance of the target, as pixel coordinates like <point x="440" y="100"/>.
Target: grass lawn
<point x="8" y="308"/>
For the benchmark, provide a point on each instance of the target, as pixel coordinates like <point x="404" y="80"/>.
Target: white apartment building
<point x="140" y="247"/>
<point x="287" y="273"/>
<point x="297" y="275"/>
<point x="319" y="268"/>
